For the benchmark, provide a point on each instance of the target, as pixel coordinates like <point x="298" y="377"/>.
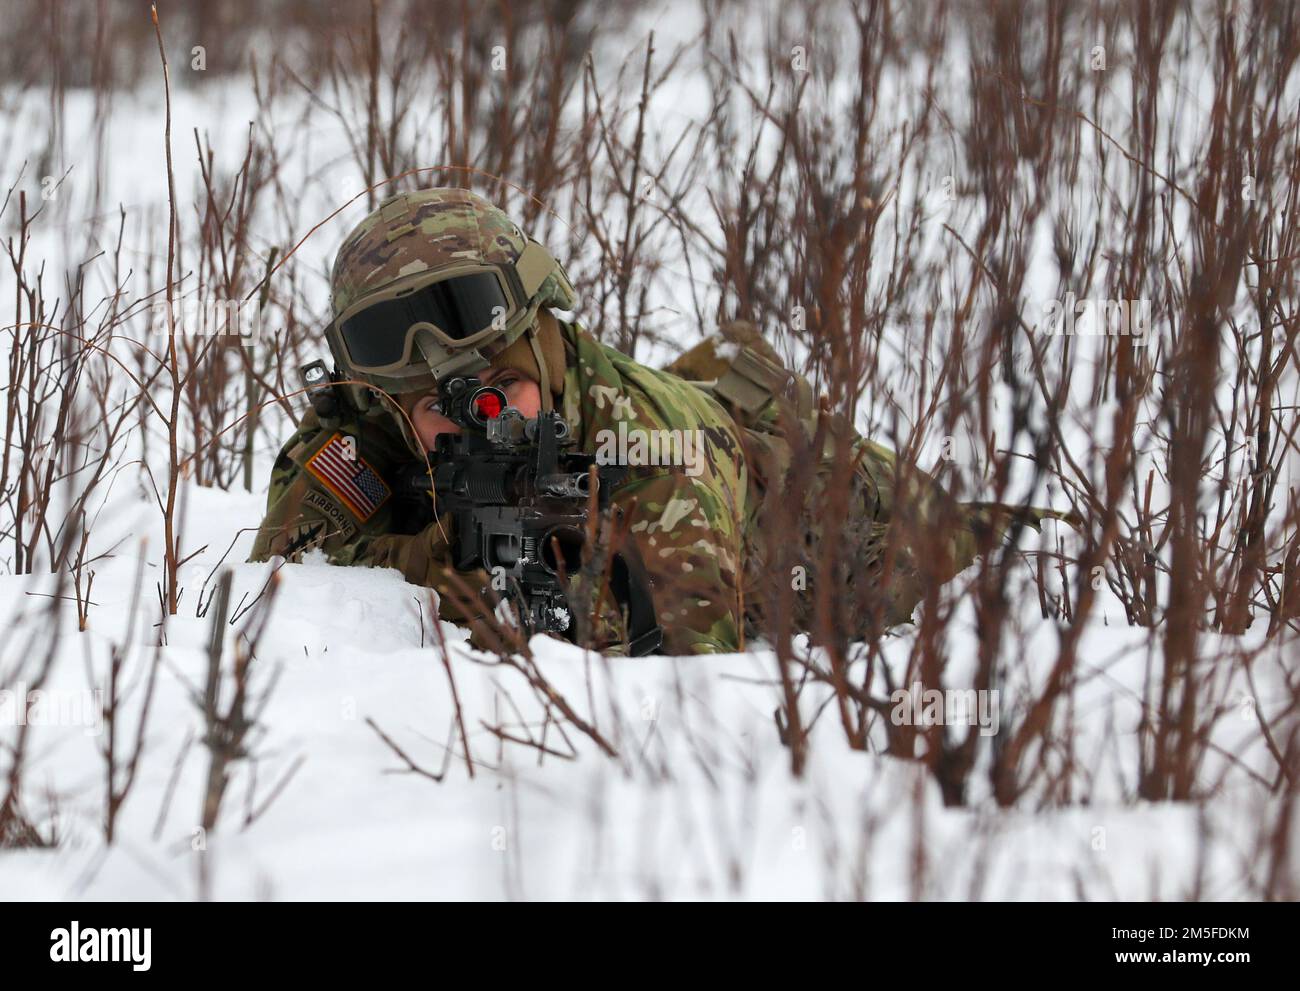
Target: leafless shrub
<point x="120" y="769"/>
<point x="230" y="730"/>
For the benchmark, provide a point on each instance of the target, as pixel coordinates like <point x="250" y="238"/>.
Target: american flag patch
<point x="346" y="474"/>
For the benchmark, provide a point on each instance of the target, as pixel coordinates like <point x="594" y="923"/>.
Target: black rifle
<point x="520" y="507"/>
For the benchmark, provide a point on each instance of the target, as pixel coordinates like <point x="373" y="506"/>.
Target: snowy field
<point x="699" y="801"/>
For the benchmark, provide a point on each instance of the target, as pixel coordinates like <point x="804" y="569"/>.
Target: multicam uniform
<point x="696" y="534"/>
<point x="412" y="289"/>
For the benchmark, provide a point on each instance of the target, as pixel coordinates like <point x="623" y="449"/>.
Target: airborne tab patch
<point x="345" y="473"/>
<point x="331" y="510"/>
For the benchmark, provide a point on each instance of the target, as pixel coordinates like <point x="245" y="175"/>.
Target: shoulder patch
<point x="294" y="540"/>
<point x="343" y="471"/>
<point x="330" y="510"/>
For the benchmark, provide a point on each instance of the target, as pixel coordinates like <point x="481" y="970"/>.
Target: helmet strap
<point x="544" y="380"/>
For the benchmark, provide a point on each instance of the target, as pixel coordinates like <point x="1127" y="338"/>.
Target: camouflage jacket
<point x="687" y="527"/>
<point x="695" y="525"/>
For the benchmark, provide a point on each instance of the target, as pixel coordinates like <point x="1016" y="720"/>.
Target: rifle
<point x="520" y="505"/>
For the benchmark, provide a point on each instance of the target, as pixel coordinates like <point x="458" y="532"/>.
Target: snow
<point x="699" y="802"/>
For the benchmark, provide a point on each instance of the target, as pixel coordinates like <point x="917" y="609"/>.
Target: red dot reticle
<point x="488" y="405"/>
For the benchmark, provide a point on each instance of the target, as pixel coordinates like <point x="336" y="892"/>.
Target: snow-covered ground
<point x="698" y="803"/>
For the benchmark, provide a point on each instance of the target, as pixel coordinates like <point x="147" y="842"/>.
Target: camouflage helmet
<point x="428" y="236"/>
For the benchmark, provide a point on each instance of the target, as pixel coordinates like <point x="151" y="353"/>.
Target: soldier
<point x="441" y="282"/>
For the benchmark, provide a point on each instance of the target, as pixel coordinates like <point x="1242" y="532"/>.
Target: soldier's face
<point x="522" y="392"/>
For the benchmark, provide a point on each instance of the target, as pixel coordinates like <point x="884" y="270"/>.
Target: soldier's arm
<point x="304" y="513"/>
<point x="690" y="544"/>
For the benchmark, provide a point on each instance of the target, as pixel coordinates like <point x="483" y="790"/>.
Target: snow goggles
<point x="461" y="308"/>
